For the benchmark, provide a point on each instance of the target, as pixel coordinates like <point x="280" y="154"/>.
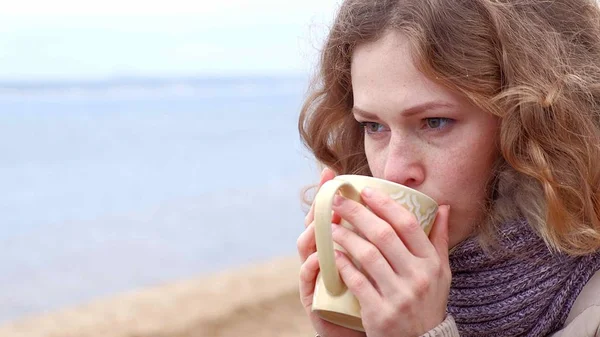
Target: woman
<point x="491" y="107"/>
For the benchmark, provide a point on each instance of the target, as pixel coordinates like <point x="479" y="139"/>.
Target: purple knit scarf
<point x="520" y="290"/>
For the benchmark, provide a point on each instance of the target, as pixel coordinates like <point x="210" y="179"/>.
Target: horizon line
<point x="144" y="77"/>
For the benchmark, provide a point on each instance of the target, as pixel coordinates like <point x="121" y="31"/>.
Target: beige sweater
<point x="583" y="319"/>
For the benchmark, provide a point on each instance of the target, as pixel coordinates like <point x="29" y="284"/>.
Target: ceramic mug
<point x="332" y="301"/>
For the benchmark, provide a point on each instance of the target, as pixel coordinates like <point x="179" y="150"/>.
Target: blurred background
<point x="146" y="142"/>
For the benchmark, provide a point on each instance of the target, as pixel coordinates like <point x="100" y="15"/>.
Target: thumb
<point x="439" y="232"/>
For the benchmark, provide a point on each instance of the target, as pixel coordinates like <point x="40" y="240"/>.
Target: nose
<point x="404" y="163"/>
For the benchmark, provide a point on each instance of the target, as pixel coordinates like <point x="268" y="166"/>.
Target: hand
<point x="310" y="269"/>
<point x="404" y="288"/>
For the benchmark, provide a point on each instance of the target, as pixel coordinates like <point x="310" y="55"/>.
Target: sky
<point x="68" y="39"/>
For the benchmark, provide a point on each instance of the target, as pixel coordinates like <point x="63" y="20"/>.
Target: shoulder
<point x="586" y="324"/>
<point x="584" y="317"/>
<point x="589" y="297"/>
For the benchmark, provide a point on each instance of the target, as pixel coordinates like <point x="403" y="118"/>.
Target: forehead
<point x="384" y="76"/>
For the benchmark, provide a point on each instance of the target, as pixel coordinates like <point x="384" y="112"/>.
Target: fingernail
<point x="337" y="200"/>
<point x="367" y="192"/>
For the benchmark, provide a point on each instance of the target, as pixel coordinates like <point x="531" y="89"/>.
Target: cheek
<point x="375" y="159"/>
<point x="475" y="179"/>
<point x="463" y="173"/>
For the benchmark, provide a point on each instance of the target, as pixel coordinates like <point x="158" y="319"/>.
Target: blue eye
<point x="372" y="127"/>
<point x="437" y="123"/>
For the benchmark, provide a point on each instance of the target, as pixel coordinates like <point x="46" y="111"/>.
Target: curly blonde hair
<point x="533" y="63"/>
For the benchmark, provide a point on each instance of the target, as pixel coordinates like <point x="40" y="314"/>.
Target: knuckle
<point x="341" y="233"/>
<point x="388" y="318"/>
<point x="412" y="224"/>
<point x="300" y="242"/>
<point x="309" y="218"/>
<point x="369" y="256"/>
<point x="439" y="269"/>
<point x="404" y="306"/>
<point x="353" y="210"/>
<point x="308" y="269"/>
<point x="357" y="282"/>
<point x="436" y="268"/>
<point x="385" y="236"/>
<point x="446" y="274"/>
<point x="306" y="302"/>
<point x="386" y="203"/>
<point x="421" y="285"/>
<point x="303" y="244"/>
<point x="304" y="273"/>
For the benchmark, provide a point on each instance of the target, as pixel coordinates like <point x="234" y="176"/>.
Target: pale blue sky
<point x="65" y="39"/>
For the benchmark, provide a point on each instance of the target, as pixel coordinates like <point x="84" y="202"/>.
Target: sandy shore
<point x="259" y="300"/>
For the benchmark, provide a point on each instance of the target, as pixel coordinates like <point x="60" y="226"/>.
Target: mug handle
<point x="323" y="237"/>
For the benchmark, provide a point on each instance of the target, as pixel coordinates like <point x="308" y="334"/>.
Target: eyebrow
<point x="417" y="109"/>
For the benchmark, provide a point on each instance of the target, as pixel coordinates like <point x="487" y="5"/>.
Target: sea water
<point x="114" y="185"/>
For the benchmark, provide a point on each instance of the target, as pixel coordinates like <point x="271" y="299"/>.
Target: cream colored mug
<point x="332" y="301"/>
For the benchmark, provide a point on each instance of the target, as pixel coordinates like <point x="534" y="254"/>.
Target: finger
<point x="310" y="217"/>
<point x="335" y="218"/>
<point x="404" y="223"/>
<point x="439" y="233"/>
<point x="326" y="175"/>
<point x="308" y="276"/>
<point x="306" y="243"/>
<point x="368" y="256"/>
<point x="376" y="230"/>
<point x="329" y="174"/>
<point x="357" y="282"/>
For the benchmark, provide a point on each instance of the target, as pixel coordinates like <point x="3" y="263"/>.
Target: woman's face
<point x="420" y="134"/>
